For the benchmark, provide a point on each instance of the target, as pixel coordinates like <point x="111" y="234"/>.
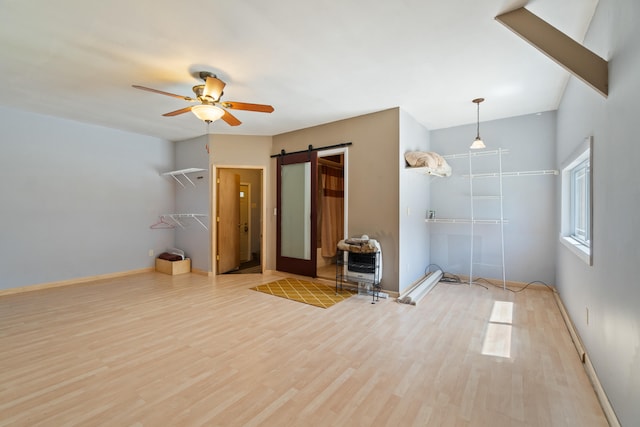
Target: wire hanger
<point x="161" y="223"/>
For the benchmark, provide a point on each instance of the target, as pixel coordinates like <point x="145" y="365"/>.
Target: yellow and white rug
<point x="315" y="294"/>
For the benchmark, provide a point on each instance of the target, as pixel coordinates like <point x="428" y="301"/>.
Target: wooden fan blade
<point x="261" y="108"/>
<point x="230" y="119"/>
<point x="177" y="112"/>
<point x="148" y="89"/>
<point x="213" y="88"/>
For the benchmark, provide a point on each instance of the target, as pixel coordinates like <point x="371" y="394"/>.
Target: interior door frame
<point x="345" y="179"/>
<point x="249" y="224"/>
<point x="213" y="241"/>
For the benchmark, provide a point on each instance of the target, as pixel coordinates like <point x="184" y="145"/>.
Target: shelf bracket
<point x="175" y="218"/>
<point x="200" y="222"/>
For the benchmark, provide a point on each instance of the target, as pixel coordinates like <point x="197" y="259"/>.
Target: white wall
<point x="529" y="202"/>
<point x="414" y="190"/>
<point x="609" y="289"/>
<point x="77" y="200"/>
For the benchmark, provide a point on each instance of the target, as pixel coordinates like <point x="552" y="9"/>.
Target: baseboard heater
<point x="415" y="294"/>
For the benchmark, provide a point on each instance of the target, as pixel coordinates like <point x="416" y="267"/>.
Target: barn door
<point x="296" y="214"/>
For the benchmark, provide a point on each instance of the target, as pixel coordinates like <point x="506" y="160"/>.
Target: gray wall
<point x="194" y="239"/>
<point x="609" y="289"/>
<point x="78" y="199"/>
<point x="414" y="190"/>
<point x="529" y="202"/>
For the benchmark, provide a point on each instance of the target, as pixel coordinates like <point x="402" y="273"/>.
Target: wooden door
<point x="296" y="234"/>
<point x="228" y="221"/>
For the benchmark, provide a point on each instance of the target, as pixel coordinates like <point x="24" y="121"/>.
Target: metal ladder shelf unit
<point x="472" y="220"/>
<point x="500" y="221"/>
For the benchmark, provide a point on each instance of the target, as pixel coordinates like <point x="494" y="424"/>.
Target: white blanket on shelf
<point x="432" y="163"/>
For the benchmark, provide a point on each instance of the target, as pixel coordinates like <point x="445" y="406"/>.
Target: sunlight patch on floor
<point x="502" y="312"/>
<point x="497" y="339"/>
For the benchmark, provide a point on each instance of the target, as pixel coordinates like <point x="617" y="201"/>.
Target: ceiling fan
<point x="211" y="108"/>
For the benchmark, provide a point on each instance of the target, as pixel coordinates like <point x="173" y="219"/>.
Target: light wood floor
<point x="157" y="350"/>
<point x="327" y="271"/>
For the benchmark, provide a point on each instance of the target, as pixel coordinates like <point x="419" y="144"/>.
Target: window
<point x="580" y="203"/>
<point x="576" y="209"/>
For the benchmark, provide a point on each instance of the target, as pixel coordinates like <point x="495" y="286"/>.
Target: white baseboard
<point x="57" y="284"/>
<point x="201" y="272"/>
<point x="588" y="367"/>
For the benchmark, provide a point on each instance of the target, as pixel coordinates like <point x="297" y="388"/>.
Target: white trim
<point x="577" y="248"/>
<point x="213" y="206"/>
<point x="345" y="179"/>
<point x="609" y="413"/>
<point x="249" y="215"/>
<point x="583" y="152"/>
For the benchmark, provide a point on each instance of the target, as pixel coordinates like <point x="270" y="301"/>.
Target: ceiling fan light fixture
<point x="478" y="143"/>
<point x="207" y="112"/>
<point x="210" y="108"/>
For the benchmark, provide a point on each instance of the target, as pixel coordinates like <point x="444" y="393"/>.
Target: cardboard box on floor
<point x="173" y="267"/>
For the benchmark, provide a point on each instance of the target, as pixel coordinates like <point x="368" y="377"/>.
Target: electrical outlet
<point x="150" y="252"/>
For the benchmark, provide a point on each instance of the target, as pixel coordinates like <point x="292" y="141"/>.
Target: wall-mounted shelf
<point x="466" y="221"/>
<point x="426" y="170"/>
<point x="507" y="174"/>
<point x="476" y="154"/>
<point x="183" y="173"/>
<point x="177" y="217"/>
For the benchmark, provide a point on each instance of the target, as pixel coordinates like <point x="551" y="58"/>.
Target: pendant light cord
<point x="478" y="122"/>
<point x="477" y="101"/>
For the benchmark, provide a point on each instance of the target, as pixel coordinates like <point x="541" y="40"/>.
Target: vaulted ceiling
<point x="315" y="62"/>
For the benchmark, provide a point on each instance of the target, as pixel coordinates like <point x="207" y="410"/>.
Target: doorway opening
<point x="332" y="208"/>
<point x="237" y="241"/>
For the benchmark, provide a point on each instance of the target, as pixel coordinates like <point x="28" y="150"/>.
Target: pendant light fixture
<point x="478" y="143"/>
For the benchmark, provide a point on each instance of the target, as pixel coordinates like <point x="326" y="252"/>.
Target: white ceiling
<point x="315" y="62"/>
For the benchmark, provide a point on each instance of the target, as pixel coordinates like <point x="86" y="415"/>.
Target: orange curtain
<point x="332" y="225"/>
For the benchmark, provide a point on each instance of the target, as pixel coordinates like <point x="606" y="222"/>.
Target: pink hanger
<point x="161" y="223"/>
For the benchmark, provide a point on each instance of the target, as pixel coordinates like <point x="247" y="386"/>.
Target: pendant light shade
<point x="207" y="113"/>
<point x="478" y="143"/>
